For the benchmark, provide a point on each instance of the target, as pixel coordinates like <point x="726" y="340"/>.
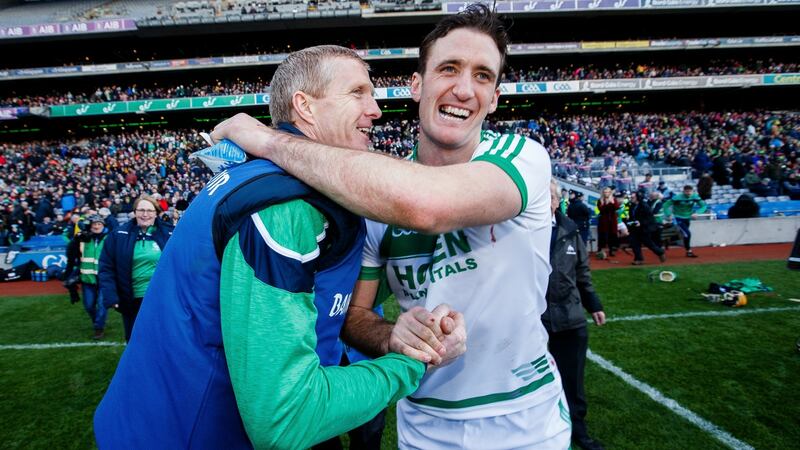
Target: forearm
<point x="366" y="331"/>
<point x="387" y="189"/>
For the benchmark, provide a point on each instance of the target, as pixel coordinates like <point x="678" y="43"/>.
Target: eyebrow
<point x="459" y="62"/>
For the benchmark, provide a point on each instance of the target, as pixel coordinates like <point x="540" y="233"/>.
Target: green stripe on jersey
<point x="506" y="166"/>
<point x="485" y="399"/>
<point x="511" y="147"/>
<point x="370" y="273"/>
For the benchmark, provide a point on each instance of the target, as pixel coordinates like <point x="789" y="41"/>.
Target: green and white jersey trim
<point x="502" y="150"/>
<point x="282" y="235"/>
<point x="539" y="371"/>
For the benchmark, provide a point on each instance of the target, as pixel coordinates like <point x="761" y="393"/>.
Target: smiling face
<point x="343" y="116"/>
<point x="457" y="90"/>
<point x="145" y="213"/>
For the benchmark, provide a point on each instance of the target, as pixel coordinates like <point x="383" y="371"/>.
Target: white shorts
<point x="545" y="426"/>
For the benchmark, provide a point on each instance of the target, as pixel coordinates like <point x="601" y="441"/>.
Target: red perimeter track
<point x="675" y="256"/>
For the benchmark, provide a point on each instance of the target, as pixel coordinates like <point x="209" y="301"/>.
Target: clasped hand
<point x="435" y="337"/>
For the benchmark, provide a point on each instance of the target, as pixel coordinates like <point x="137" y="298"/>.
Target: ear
<point x="416" y="86"/>
<point x="495" y="100"/>
<point x="301" y="107"/>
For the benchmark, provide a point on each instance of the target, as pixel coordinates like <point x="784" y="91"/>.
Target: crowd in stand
<point x="648" y="70"/>
<point x="109" y="93"/>
<point x="114" y="93"/>
<point x="45" y="186"/>
<point x="759" y="151"/>
<point x="754" y="150"/>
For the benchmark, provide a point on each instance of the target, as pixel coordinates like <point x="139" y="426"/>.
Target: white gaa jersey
<point x="497" y="277"/>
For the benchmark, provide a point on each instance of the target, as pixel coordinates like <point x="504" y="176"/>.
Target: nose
<point x="372" y="110"/>
<point x="463" y="88"/>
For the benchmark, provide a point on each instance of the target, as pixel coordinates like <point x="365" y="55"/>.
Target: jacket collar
<point x="564" y="224"/>
<point x="289" y="128"/>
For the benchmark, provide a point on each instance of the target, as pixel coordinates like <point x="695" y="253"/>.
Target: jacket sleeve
<point x="583" y="279"/>
<point x="285" y="398"/>
<point x="107" y="272"/>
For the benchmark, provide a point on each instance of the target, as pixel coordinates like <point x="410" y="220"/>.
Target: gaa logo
<point x="401" y="92"/>
<point x="562" y="87"/>
<point x="533" y="87"/>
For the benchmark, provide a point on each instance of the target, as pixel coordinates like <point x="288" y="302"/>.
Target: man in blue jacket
<point x="249" y="297"/>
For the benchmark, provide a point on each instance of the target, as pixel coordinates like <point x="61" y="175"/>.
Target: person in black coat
<point x="744" y="208"/>
<point x="569" y="292"/>
<point x="641" y="225"/>
<point x="580" y="213"/>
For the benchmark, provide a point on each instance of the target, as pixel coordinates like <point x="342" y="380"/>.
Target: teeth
<point x="364" y="129"/>
<point x="458" y="112"/>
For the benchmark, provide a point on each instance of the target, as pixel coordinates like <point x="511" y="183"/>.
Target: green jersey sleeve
<point x="527" y="163"/>
<point x="286" y="399"/>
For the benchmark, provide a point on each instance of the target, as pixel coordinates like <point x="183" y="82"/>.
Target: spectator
<point x="641" y="226"/>
<point x="45" y="228"/>
<point x="791" y="186"/>
<point x="129" y="259"/>
<point x="704" y="186"/>
<point x="580" y="213"/>
<point x="744" y="208"/>
<point x="606" y="209"/>
<point x="569" y="292"/>
<point x="685" y="207"/>
<point x="86" y="248"/>
<point x="111" y="222"/>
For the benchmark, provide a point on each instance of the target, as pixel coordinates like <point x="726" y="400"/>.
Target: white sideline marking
<point x="715" y="431"/>
<point x="61" y="345"/>
<point x="734" y="312"/>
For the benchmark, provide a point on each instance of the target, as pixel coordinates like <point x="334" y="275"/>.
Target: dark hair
<point x="688" y="187"/>
<point x="478" y="17"/>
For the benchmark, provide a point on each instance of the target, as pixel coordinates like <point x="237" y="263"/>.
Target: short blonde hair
<point x="306" y="70"/>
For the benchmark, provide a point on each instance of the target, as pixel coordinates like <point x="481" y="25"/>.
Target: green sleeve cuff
<point x="370" y="273"/>
<point x="506" y="166"/>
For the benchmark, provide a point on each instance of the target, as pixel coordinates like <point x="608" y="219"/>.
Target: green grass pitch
<point x="740" y="373"/>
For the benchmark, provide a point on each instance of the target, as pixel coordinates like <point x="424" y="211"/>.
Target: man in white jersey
<point x="471" y="215"/>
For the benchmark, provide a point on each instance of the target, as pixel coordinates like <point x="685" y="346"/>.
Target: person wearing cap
<point x="84" y="251"/>
<point x="580" y="213"/>
<point x="111" y="222"/>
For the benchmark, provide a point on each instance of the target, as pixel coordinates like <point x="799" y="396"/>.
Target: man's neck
<point x="430" y="154"/>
